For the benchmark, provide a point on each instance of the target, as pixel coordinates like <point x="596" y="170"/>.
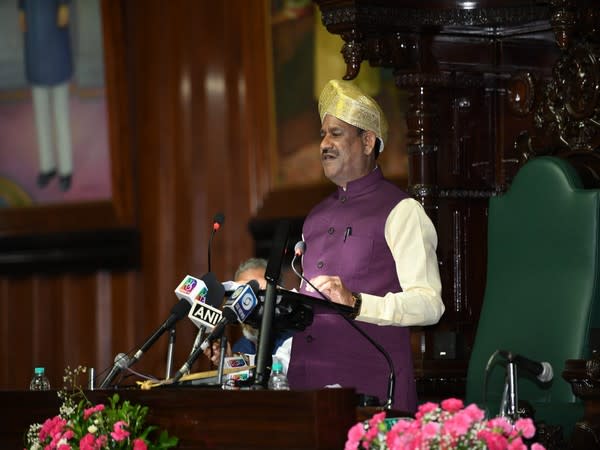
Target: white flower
<point x="66" y="411"/>
<point x="92" y="429"/>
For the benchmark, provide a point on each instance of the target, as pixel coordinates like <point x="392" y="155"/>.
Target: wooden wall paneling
<point x="77" y="308"/>
<point x="189" y="90"/>
<point x="18" y="332"/>
<point x="143" y="33"/>
<point x="102" y="322"/>
<point x="257" y="103"/>
<point x="48" y="325"/>
<point x="250" y="99"/>
<point x="118" y="85"/>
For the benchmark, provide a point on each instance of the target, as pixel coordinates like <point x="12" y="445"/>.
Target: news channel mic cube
<point x="243" y="302"/>
<point x="204" y="315"/>
<point x="191" y="288"/>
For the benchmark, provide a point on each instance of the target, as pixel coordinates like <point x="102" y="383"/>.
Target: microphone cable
<point x="486" y="373"/>
<point x="340" y="311"/>
<point x="218" y="220"/>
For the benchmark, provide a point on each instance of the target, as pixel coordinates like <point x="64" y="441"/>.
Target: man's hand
<point x="214" y="352"/>
<point x="332" y="287"/>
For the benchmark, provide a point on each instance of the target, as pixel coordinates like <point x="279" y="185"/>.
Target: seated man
<point x="252" y="269"/>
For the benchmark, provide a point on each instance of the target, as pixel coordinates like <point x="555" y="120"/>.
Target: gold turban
<point x="344" y="100"/>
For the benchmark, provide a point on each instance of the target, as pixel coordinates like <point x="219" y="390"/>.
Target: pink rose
<point x="89" y="411"/>
<point x="537" y="446"/>
<point x="139" y="444"/>
<point x="430" y="430"/>
<point x="357" y="432"/>
<point x="376" y="419"/>
<point x="493" y="441"/>
<point x="458" y="425"/>
<point x="87" y="442"/>
<point x="401" y="426"/>
<point x="500" y="424"/>
<point x="119" y="434"/>
<point x="452" y="404"/>
<point x="474" y="412"/>
<point x="52" y="427"/>
<point x="425" y="408"/>
<point x="526" y="427"/>
<point x="517" y="444"/>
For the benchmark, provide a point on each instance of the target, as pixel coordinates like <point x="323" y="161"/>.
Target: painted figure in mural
<point x="369" y="246"/>
<point x="48" y="69"/>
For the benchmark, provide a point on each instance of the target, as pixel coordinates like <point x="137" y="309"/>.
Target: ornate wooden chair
<point x="542" y="288"/>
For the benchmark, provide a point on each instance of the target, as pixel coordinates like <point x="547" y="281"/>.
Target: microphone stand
<point x="263" y="353"/>
<point x="170" y="348"/>
<point x="272" y="275"/>
<point x="392" y="378"/>
<point x="509" y="402"/>
<point x="221" y="360"/>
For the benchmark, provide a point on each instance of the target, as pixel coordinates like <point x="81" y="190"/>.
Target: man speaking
<point x="369" y="246"/>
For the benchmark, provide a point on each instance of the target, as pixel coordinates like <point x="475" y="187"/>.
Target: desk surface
<point x="210" y="418"/>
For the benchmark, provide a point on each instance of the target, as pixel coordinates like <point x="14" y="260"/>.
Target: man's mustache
<point x="328" y="152"/>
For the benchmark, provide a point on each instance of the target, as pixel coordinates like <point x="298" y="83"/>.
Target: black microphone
<point x="206" y="307"/>
<point x="237" y="308"/>
<point x="218" y="221"/>
<point x="542" y="370"/>
<point x="299" y="250"/>
<point x="203" y="314"/>
<point x="121" y="362"/>
<point x="272" y="275"/>
<point x="178" y="312"/>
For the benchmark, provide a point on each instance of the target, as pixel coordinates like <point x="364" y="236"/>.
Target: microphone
<point x="190" y="289"/>
<point x="178" y="312"/>
<point x="218" y="221"/>
<point x="121" y="362"/>
<point x="299" y="250"/>
<point x="542" y="370"/>
<point x="238" y="307"/>
<point x="206" y="303"/>
<point x="205" y="314"/>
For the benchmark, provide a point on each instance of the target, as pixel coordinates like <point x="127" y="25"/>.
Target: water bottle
<point x="39" y="382"/>
<point x="278" y="381"/>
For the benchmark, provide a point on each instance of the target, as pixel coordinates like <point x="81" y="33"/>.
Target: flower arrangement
<point x="85" y="426"/>
<point x="445" y="426"/>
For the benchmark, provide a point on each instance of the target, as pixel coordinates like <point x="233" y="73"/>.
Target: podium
<point x="204" y="418"/>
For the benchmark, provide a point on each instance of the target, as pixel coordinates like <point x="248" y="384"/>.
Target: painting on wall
<point x="53" y="109"/>
<point x="305" y="57"/>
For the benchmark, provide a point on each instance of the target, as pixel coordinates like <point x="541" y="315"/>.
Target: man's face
<point x="345" y="154"/>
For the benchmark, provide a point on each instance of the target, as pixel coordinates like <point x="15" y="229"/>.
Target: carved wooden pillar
<point x="423" y="142"/>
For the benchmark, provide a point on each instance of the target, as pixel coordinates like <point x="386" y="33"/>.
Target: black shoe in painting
<point x="44" y="178"/>
<point x="64" y="182"/>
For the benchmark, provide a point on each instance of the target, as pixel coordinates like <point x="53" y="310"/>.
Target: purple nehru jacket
<point x="330" y="351"/>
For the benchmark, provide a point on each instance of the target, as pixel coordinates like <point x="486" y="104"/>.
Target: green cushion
<point x="541" y="287"/>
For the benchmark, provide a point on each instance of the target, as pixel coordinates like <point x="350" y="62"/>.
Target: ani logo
<point x="188" y="285"/>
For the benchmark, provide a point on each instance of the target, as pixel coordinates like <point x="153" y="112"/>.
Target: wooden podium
<point x="204" y="418"/>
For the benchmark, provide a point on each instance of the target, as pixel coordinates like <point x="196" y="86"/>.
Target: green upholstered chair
<point x="541" y="289"/>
